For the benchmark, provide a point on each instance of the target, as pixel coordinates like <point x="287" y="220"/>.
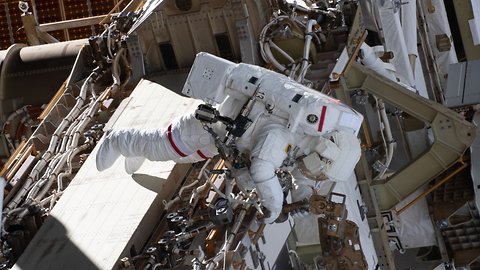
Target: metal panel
<point x="214" y="28"/>
<point x="471" y="94"/>
<point x="248" y="44"/>
<point x="462" y="85"/>
<point x="464" y="12"/>
<point x="136" y="59"/>
<point x="455" y="84"/>
<point x="464" y="239"/>
<point x="475" y="159"/>
<point x="103" y="215"/>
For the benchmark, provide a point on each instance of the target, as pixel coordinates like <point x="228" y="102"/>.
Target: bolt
<point x="442" y="224"/>
<point x="222" y="210"/>
<point x="124" y="262"/>
<point x="332" y="227"/>
<point x="151" y="249"/>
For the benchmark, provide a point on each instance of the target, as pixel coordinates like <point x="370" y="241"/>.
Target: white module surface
<point x="102" y="215"/>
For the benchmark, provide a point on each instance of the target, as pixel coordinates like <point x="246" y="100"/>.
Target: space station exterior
<point x="240" y="134"/>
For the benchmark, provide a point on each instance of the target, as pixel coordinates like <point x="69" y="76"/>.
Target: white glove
<point x="302" y="187"/>
<point x="106" y="154"/>
<point x="271" y="197"/>
<point x="132" y="164"/>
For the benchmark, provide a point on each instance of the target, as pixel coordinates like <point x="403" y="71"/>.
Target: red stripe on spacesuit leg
<point x="322" y="118"/>
<point x="172" y="143"/>
<point x="202" y="155"/>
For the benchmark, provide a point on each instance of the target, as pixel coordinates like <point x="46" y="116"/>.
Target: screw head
<point x="332" y="227"/>
<point x="124" y="262"/>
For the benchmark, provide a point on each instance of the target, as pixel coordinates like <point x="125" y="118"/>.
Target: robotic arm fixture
<point x="272" y="119"/>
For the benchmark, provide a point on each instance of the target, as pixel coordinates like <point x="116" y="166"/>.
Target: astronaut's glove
<point x="303" y="188"/>
<point x="132" y="164"/>
<point x="271" y="197"/>
<point x="301" y="193"/>
<point x="107" y="153"/>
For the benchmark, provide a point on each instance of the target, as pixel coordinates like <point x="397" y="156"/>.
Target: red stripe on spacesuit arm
<point x="202" y="155"/>
<point x="322" y="118"/>
<point x="172" y="143"/>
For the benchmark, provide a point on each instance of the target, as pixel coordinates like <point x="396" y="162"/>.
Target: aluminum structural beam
<point x="452" y="134"/>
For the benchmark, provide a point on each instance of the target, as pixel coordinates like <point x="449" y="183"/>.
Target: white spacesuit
<point x="272" y="119"/>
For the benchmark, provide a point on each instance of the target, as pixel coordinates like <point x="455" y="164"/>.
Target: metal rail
<point x="452" y="134"/>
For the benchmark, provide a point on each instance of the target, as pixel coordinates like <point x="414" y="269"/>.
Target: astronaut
<point x="265" y="115"/>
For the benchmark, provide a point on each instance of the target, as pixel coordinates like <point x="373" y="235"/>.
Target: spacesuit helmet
<point x="333" y="157"/>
